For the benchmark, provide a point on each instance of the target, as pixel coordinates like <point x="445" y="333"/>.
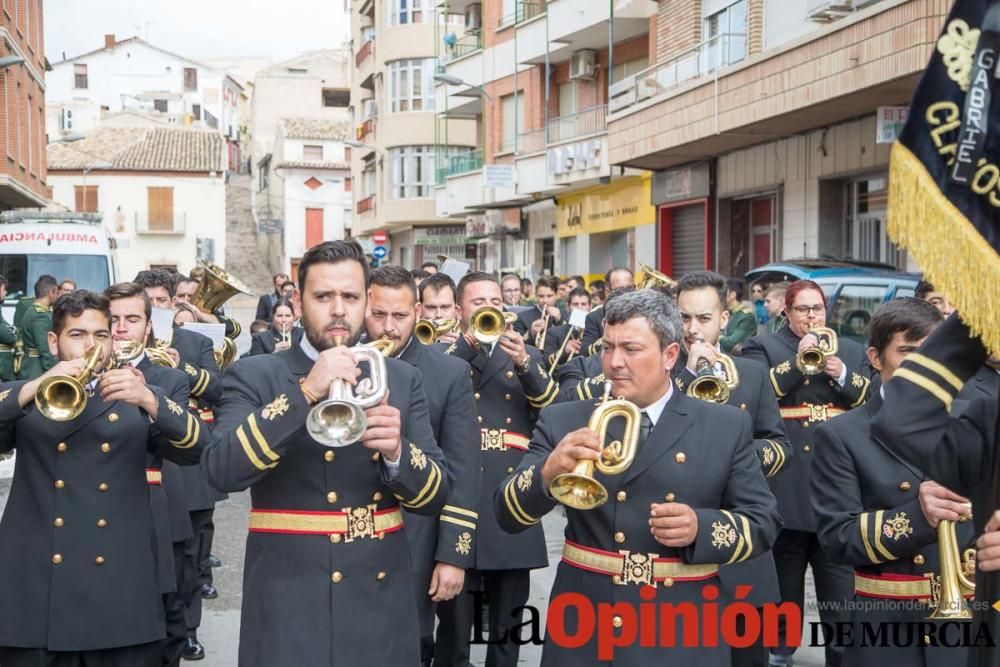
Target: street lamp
<point x="10" y="61"/>
<point x="452" y="80"/>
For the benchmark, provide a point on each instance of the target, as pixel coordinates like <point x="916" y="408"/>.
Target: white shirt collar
<point x="308" y="349"/>
<point x="655" y="409"/>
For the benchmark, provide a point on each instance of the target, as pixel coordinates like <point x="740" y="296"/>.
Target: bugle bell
<point x="957" y="577"/>
<point x="578" y="489"/>
<point x="158" y="354"/>
<point x="62" y="398"/>
<point x="215" y="288"/>
<point x="383" y="345"/>
<point x="125" y="352"/>
<point x="651" y="278"/>
<point x="812" y="360"/>
<point x="427" y="331"/>
<point x="340" y="419"/>
<point x="707" y="386"/>
<point x="225" y="357"/>
<point x="488" y="324"/>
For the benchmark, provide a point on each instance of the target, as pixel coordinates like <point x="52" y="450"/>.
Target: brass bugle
<point x="487" y="323"/>
<point x="578" y="489"/>
<point x="383" y="345"/>
<point x="427" y="331"/>
<point x="126" y="351"/>
<point x="62" y="398"/>
<point x="812" y="360"/>
<point x="957" y="577"/>
<point x="562" y="348"/>
<point x="158" y="354"/>
<point x="340" y="419"/>
<point x="651" y="278"/>
<point x="707" y="386"/>
<point x="540" y="337"/>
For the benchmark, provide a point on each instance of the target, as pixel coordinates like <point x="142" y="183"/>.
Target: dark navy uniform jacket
<point x="312" y="597"/>
<point x="777" y="353"/>
<point x="507" y="402"/>
<point x="699" y="454"/>
<point x="451" y="536"/>
<point x="957" y="450"/>
<point x="263" y="342"/>
<point x="78" y="551"/>
<point x="868" y="516"/>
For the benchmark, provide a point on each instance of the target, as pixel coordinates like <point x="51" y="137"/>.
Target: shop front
<point x="682" y="197"/>
<point x="606" y="226"/>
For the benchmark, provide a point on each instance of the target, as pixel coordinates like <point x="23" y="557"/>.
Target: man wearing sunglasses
<point x="806" y="397"/>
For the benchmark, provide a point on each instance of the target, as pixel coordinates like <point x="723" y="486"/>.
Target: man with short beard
<point x="442" y="547"/>
<point x="328" y="571"/>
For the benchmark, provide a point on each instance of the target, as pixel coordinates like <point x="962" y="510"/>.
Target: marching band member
<point x="511" y="385"/>
<point x="281" y="335"/>
<point x="437" y="302"/>
<point x="805" y="400"/>
<point x="195" y="358"/>
<point x="328" y="570"/>
<point x="442" y="547"/>
<point x="534" y="321"/>
<point x="880" y="514"/>
<point x="700" y="300"/>
<point x="618" y="278"/>
<point x="578" y="299"/>
<point x="130" y="322"/>
<point x="79" y="574"/>
<point x="922" y="423"/>
<point x="33" y="329"/>
<point x="692" y="498"/>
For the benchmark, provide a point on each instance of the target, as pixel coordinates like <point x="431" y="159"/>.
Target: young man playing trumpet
<point x="77" y="569"/>
<point x="691" y="496"/>
<point x="328" y="570"/>
<point x="532" y="322"/>
<point x="812" y="386"/>
<point x="130" y="324"/>
<point x="442" y="547"/>
<point x="701" y="302"/>
<point x="511" y="385"/>
<point x="881" y="515"/>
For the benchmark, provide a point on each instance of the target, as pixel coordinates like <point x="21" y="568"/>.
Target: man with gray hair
<point x="692" y="498"/>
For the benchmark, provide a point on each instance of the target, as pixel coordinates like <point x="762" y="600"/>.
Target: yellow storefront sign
<point x="623" y="204"/>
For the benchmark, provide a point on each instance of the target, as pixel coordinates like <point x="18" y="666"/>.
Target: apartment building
<point x="400" y="138"/>
<point x="540" y="192"/>
<point x="767" y="126"/>
<point x="22" y="112"/>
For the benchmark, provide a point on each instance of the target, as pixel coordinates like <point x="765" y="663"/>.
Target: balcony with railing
<point x="162" y="225"/>
<point x="523" y="10"/>
<point x="468" y="43"/>
<point x="462" y="163"/>
<point x="583" y="123"/>
<point x="530" y="141"/>
<point x="366" y="204"/>
<point x="707" y="58"/>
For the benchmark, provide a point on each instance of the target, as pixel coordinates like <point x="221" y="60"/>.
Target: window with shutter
<point x="86" y="198"/>
<point x="161" y="209"/>
<point x="190" y="78"/>
<point x="312" y="153"/>
<point x="80" y="76"/>
<point x="160" y="105"/>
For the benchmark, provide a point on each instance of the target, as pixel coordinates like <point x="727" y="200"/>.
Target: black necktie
<point x="645" y="427"/>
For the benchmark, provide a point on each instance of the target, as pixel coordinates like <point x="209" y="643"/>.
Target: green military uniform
<point x="35" y="326"/>
<point x="7" y="340"/>
<point x="22" y="307"/>
<point x="742" y="325"/>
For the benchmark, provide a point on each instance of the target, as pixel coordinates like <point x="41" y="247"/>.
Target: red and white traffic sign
<point x="379" y="238"/>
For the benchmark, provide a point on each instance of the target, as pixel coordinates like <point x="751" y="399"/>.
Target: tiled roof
<point x="315" y="128"/>
<point x="140" y="149"/>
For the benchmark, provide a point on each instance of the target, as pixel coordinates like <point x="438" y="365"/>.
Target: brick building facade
<point x="22" y="110"/>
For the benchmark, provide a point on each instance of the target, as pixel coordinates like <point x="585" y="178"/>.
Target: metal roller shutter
<point x="688" y="239"/>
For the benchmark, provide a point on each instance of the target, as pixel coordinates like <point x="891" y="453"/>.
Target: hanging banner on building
<point x="439" y="235"/>
<point x="623" y="204"/>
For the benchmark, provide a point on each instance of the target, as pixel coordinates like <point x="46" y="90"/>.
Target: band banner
<point x="944" y="171"/>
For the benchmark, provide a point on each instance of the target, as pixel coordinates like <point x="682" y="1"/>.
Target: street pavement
<point x="221" y="618"/>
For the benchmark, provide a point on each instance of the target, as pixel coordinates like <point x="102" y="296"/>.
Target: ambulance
<point x="63" y="245"/>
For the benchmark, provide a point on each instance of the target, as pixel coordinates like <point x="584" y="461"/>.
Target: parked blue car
<point x="853" y="289"/>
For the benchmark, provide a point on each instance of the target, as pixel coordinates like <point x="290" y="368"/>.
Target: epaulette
<point x="40" y="307"/>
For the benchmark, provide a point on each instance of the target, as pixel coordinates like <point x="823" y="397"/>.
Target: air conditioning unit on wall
<point x="583" y="65"/>
<point x="823" y="11"/>
<point x="473" y="18"/>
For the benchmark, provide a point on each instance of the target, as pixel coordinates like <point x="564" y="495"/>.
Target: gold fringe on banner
<point x="955" y="258"/>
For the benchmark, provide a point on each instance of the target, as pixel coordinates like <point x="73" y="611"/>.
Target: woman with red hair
<point x="805" y="399"/>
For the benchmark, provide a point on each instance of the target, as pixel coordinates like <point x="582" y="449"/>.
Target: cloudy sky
<point x="198" y="28"/>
